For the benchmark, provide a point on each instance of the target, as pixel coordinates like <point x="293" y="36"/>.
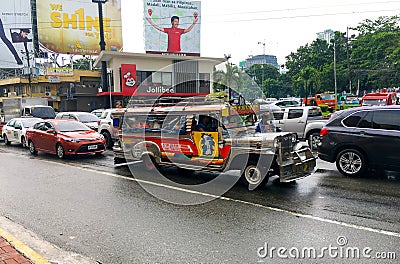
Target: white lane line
<point x="316" y="218"/>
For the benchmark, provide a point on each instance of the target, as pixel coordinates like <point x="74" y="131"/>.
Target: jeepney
<point x="169" y="136"/>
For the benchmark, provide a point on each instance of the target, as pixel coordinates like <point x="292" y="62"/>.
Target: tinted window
<point x="43" y="112"/>
<point x="353" y="120"/>
<point x="86" y="118"/>
<point x="295" y="113"/>
<point x="389" y="120"/>
<point x="367" y="121"/>
<point x="278" y="115"/>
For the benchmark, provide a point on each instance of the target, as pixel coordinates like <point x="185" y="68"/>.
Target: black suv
<point x="361" y="138"/>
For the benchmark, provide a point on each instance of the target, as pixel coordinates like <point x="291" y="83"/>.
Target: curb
<point x="22" y="248"/>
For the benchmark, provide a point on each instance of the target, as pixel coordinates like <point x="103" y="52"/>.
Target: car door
<point x="49" y="139"/>
<point x="295" y="121"/>
<point x="9" y="130"/>
<point x="35" y="135"/>
<point x="17" y="131"/>
<point x="385" y="139"/>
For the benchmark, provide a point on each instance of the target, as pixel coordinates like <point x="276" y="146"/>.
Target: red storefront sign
<point x="128" y="79"/>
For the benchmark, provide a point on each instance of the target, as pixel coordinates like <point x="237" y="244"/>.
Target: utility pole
<point x="28" y="63"/>
<point x="348" y="58"/>
<point x="102" y="43"/>
<point x="262" y="66"/>
<point x="334" y="71"/>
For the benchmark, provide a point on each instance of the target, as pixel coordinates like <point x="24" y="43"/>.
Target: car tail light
<point x="98" y="122"/>
<point x="324" y="131"/>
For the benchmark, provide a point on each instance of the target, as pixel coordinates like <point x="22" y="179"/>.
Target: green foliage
<point x="324" y="107"/>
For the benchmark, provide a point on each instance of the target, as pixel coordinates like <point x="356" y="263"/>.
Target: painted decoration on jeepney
<point x="206" y="143"/>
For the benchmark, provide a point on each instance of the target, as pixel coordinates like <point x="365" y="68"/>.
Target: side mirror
<point x="51" y="131"/>
<point x="115" y="122"/>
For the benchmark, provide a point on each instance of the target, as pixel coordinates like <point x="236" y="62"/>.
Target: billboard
<point x="70" y="26"/>
<point x="15" y="34"/>
<point x="172" y="27"/>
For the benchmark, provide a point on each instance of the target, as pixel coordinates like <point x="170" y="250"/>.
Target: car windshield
<point x="43" y="112"/>
<point x="237" y="121"/>
<point x="377" y="102"/>
<point x="30" y="122"/>
<point x="327" y="96"/>
<point x="87" y="117"/>
<point x="71" y="126"/>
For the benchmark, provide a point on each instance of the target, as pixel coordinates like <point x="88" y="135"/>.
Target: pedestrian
<point x="118" y="104"/>
<point x="265" y="125"/>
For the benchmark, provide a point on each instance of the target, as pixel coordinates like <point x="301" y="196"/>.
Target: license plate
<point x="91" y="147"/>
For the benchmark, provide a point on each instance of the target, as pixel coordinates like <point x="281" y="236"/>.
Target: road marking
<point x="24" y="249"/>
<point x="276" y="209"/>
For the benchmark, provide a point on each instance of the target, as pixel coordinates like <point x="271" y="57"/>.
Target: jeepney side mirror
<point x="115" y="122"/>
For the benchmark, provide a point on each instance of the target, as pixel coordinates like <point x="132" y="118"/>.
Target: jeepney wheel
<point x="253" y="177"/>
<point x="148" y="162"/>
<point x="109" y="141"/>
<point x="351" y="163"/>
<point x="6" y="141"/>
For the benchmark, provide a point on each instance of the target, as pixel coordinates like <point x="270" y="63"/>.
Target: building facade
<point x="261" y="59"/>
<point x="156" y="75"/>
<point x="73" y="92"/>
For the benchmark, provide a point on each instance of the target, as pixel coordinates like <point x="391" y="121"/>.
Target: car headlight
<point x="294" y="138"/>
<point x="72" y="140"/>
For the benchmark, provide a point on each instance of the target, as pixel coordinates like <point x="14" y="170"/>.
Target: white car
<point x="89" y="119"/>
<point x="15" y="130"/>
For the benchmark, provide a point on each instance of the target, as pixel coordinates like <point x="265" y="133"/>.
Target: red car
<point x="64" y="137"/>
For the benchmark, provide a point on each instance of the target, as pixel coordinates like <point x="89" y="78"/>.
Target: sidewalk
<point x="9" y="255"/>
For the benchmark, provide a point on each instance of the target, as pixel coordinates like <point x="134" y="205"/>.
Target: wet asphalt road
<point x="86" y="205"/>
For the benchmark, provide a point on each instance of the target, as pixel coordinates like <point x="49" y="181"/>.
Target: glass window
<point x="167" y="78"/>
<point x="386" y="119"/>
<point x="157" y="77"/>
<point x="278" y="115"/>
<point x="352" y="121"/>
<point x="366" y="122"/>
<point x="11" y="123"/>
<point x="295" y="113"/>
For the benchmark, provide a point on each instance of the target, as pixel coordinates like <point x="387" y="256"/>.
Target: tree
<point x="228" y="79"/>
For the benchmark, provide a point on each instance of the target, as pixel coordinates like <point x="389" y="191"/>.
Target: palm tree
<point x="307" y="74"/>
<point x="231" y="78"/>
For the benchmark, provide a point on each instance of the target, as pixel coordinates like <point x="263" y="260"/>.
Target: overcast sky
<point x="235" y="27"/>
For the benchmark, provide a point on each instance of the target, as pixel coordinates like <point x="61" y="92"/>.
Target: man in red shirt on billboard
<point x="174" y="33"/>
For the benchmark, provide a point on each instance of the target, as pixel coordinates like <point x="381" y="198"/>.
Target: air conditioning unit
<point x="12" y="94"/>
<point x="48" y="94"/>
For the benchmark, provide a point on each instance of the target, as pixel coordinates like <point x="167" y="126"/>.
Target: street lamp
<point x="102" y="46"/>
<point x="332" y="36"/>
<point x="262" y="65"/>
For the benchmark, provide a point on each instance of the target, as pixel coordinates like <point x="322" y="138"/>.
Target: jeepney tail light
<point x="324" y="132"/>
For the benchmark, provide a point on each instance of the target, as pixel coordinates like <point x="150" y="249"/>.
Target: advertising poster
<point x="15" y="34"/>
<point x="69" y="26"/>
<point x="172" y="27"/>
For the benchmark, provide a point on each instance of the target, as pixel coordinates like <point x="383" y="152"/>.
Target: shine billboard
<point x="172" y="27"/>
<point x="70" y="26"/>
<point x="15" y="33"/>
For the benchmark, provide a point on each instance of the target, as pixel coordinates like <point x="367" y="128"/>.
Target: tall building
<point x="326" y="35"/>
<point x="261" y="59"/>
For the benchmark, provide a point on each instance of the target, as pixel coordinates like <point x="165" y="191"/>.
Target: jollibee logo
<point x="129" y="80"/>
